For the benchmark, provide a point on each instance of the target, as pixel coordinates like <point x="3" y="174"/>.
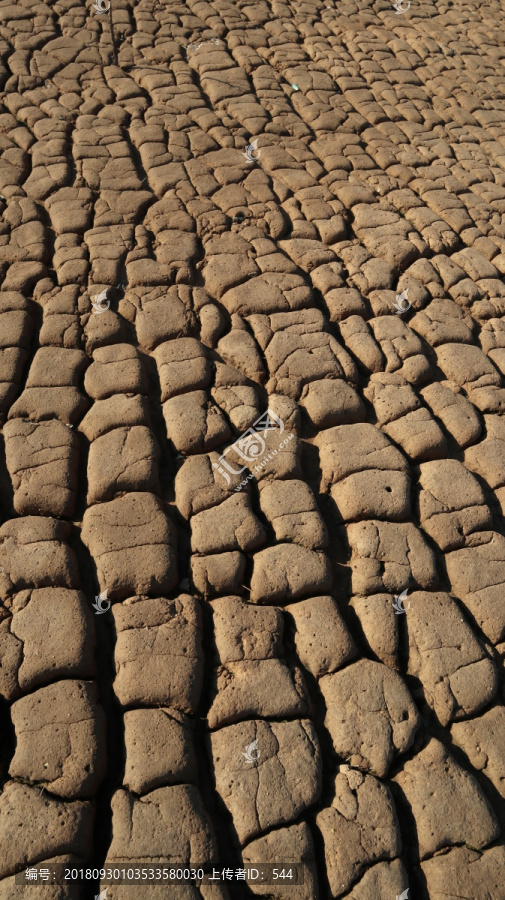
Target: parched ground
<point x="255" y="693"/>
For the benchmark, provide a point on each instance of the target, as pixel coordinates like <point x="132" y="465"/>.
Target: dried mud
<point x="212" y="208"/>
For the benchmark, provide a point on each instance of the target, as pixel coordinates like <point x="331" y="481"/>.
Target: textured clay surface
<point x="252" y="445"/>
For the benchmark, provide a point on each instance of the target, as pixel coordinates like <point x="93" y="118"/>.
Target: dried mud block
<point x="344" y="303"/>
<point x="402" y="348"/>
<point x="288" y="572"/>
<point x="477" y="574"/>
<point x="465" y="873"/>
<point x="359" y="829"/>
<point x="239" y="349"/>
<point x="123" y="460"/>
<point x="282" y="779"/>
<point x="12" y="363"/>
<point x="379" y="625"/>
<point x="388" y="557"/>
<point x="33" y="554"/>
<point x="105" y="329"/>
<point x="159" y="749"/>
<point x="474" y="263"/>
<point x="451" y="503"/>
<point x="392" y="397"/>
<point x="298" y="350"/>
<point x="37" y="404"/>
<point x="133" y="544"/>
<point x="213" y="323"/>
<point x="457" y="676"/>
<point x="307" y="254"/>
<point x="221" y="573"/>
<point x="401" y="417"/>
<point x="370" y="715"/>
<point x="331" y="401"/>
<point x="386" y="234"/>
<point x="164" y="313"/>
<point x="182" y="366"/>
<point x="56" y="367"/>
<point x="434" y="785"/>
<point x="116" y="369"/>
<point x="43" y="465"/>
<point x="158" y="653"/>
<point x="16" y="322"/>
<point x="53" y="387"/>
<point x="498" y="358"/>
<point x="267" y="293"/>
<point x="199" y="485"/>
<point x="483" y="742"/>
<point x="290" y="845"/>
<point x="231" y="525"/>
<point x="167" y="826"/>
<point x="60" y="739"/>
<point x="71" y="209"/>
<point x="487" y="458"/>
<point x="35" y="826"/>
<point x="492" y="340"/>
<point x="194" y="423"/>
<point x="119" y="411"/>
<point x="288" y="411"/>
<point x="367" y="476"/>
<point x="358" y="338"/>
<point x="276" y="456"/>
<point x="291" y="508"/>
<point x="472" y="370"/>
<point x="228" y="262"/>
<point x="443" y="322"/>
<point x="243" y="631"/>
<point x="384" y="880"/>
<point x="259" y="687"/>
<point x="322" y="640"/>
<point x="65" y="620"/>
<point x="468" y="366"/>
<point x="236" y="395"/>
<point x="455" y="412"/>
<point x="239" y="402"/>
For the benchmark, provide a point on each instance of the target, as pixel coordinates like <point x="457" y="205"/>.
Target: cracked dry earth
<point x="232" y="286"/>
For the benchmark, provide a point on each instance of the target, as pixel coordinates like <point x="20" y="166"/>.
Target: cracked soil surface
<point x="211" y="208"/>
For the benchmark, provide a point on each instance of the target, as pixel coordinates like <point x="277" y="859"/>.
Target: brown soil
<point x="211" y="208"/>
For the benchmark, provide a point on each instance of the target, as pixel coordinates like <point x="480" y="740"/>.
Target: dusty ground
<point x="263" y="620"/>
